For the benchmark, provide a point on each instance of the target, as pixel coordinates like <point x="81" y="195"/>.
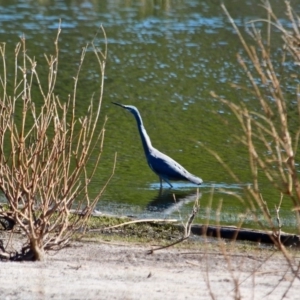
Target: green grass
<point x="162" y="234"/>
<point x="137" y="232"/>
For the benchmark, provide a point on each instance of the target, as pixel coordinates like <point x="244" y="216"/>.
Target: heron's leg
<point x="161" y="187"/>
<point x="168" y="182"/>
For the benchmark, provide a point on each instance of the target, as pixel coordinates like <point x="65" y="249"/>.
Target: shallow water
<point x="164" y="57"/>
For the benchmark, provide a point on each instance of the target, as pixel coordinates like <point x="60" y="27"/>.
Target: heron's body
<point x="164" y="166"/>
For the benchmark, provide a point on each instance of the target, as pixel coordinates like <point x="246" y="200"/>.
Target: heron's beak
<point x="116" y="103"/>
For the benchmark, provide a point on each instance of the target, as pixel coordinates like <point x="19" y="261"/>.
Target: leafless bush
<point x="271" y="145"/>
<point x="269" y="132"/>
<point x="46" y="152"/>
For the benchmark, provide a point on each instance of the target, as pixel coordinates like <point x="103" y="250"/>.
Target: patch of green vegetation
<point x="102" y="222"/>
<point x="102" y="228"/>
<point x="160" y="234"/>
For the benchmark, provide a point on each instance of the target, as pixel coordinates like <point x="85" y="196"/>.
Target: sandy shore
<point x="95" y="270"/>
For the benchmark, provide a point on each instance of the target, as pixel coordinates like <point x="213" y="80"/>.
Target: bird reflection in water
<point x="168" y="201"/>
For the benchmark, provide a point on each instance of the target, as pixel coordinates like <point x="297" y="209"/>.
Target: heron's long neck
<point x="144" y="136"/>
<point x="145" y="139"/>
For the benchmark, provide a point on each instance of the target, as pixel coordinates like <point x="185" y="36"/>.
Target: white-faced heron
<point x="161" y="164"/>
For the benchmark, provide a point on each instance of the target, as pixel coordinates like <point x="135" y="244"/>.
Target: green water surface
<point x="164" y="57"/>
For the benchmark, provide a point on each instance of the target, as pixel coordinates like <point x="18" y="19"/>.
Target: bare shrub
<point x="269" y="132"/>
<point x="48" y="155"/>
<point x="271" y="145"/>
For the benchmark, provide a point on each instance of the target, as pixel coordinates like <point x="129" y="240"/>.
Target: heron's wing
<point x="165" y="166"/>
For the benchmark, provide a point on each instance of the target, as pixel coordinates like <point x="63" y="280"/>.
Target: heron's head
<point x="130" y="108"/>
